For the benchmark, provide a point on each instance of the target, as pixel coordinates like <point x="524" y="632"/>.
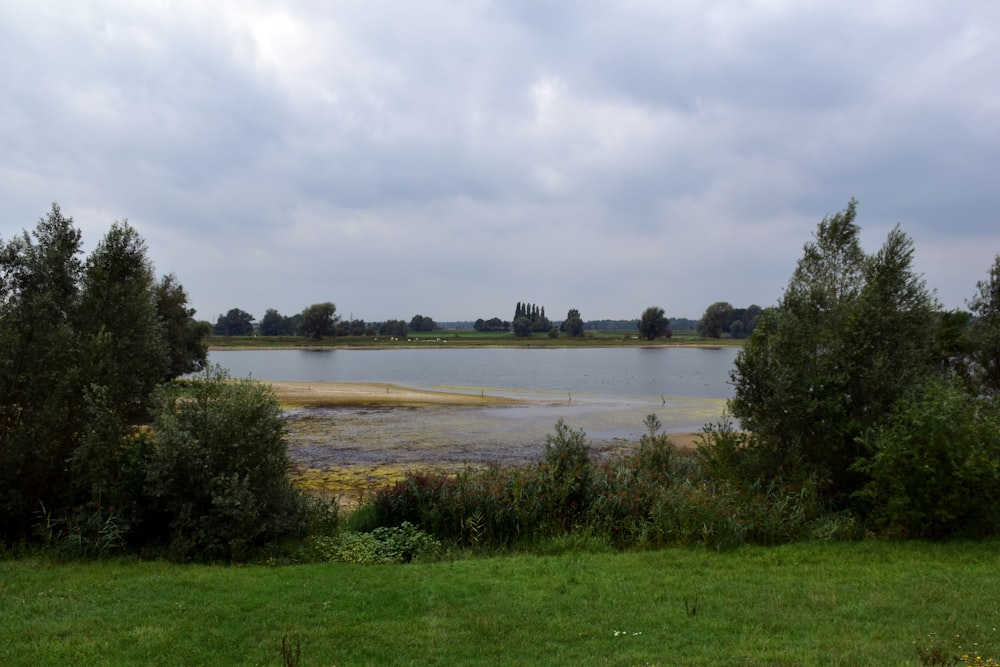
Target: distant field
<point x="867" y="603"/>
<point x="469" y="338"/>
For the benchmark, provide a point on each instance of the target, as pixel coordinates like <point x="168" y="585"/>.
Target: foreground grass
<point x="806" y="604"/>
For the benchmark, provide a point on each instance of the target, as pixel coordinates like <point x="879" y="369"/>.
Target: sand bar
<point x="301" y="394"/>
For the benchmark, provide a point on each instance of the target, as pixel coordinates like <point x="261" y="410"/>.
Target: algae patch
<point x="348" y="451"/>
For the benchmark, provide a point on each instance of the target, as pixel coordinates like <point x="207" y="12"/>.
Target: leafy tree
<point x="494" y="324"/>
<point x="535" y="317"/>
<point x="573" y="324"/>
<point x="715" y="320"/>
<point x="319" y="320"/>
<point x="275" y="324"/>
<point x="541" y="323"/>
<point x="84" y="344"/>
<point x="742" y="321"/>
<point x="849" y="337"/>
<point x="234" y="323"/>
<point x="985" y="331"/>
<point x="187" y="349"/>
<point x="396" y="328"/>
<point x="522" y="326"/>
<point x="41" y="406"/>
<point x="421" y="323"/>
<point x="128" y="351"/>
<point x="654" y="324"/>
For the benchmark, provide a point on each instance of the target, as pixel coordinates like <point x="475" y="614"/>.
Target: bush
<point x="400" y="544"/>
<point x="566" y="475"/>
<point x="934" y="470"/>
<point x="653" y="497"/>
<point x="216" y="473"/>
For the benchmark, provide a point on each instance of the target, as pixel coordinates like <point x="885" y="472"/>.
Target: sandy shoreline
<point x="386" y="395"/>
<point x="331" y="394"/>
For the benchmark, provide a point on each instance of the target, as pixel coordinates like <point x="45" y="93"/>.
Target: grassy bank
<point x="869" y="603"/>
<point x="467" y="338"/>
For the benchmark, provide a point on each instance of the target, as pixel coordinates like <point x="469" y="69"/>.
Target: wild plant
<point x="566" y="475"/>
<point x="400" y="544"/>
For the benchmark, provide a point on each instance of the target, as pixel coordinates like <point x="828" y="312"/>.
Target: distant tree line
<point x="492" y="325"/>
<point x="318" y="321"/>
<point x="721" y="319"/>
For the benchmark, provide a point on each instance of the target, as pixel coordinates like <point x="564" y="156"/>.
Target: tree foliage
<point x="985" y="332"/>
<point x="216" y="473"/>
<point x="933" y="469"/>
<point x="422" y="323"/>
<point x="654" y="324"/>
<point x="83" y="344"/>
<point x="530" y="318"/>
<point x="715" y="320"/>
<point x="187" y="350"/>
<point x="573" y="324"/>
<point x="275" y="324"/>
<point x="850" y="335"/>
<point x="319" y="320"/>
<point x="396" y="328"/>
<point x="128" y="354"/>
<point x="236" y="322"/>
<point x="493" y="325"/>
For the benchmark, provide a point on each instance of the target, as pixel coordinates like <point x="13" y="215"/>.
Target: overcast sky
<point x="453" y="158"/>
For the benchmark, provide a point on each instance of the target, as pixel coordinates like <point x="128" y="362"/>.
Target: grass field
<point x="469" y="338"/>
<point x="869" y="603"/>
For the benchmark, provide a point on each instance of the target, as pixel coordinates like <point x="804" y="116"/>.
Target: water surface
<point x="605" y="392"/>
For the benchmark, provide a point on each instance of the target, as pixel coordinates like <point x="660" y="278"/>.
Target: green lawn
<point x="871" y="603"/>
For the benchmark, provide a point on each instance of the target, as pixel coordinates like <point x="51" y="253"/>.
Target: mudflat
<point x="350" y="438"/>
<point x="331" y="394"/>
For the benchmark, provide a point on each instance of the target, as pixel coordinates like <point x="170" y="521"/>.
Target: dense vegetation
<point x="721" y="319"/>
<point x="861" y="409"/>
<point x="99" y="452"/>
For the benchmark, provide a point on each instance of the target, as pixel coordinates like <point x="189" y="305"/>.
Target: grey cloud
<point x="450" y="158"/>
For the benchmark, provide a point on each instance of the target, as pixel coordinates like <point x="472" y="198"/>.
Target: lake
<point x="615" y="372"/>
<point x="606" y="392"/>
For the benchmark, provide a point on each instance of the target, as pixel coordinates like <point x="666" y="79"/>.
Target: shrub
<point x="653" y="497"/>
<point x="400" y="544"/>
<point x="216" y="473"/>
<point x="934" y="470"/>
<point x="494" y="506"/>
<point x="566" y="474"/>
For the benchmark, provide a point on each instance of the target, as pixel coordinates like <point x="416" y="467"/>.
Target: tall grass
<point x="655" y="497"/>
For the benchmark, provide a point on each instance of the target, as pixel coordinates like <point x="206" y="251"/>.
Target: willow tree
<point x="851" y="333"/>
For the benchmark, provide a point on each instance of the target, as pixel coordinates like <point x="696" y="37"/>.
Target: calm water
<point x="614" y="372"/>
<point x="605" y="392"/>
